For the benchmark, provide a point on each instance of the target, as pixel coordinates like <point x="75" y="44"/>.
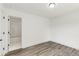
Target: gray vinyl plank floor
<point x="47" y="49"/>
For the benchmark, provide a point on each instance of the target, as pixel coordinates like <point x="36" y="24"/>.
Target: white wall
<point x="35" y="29"/>
<point x="0" y="30"/>
<point x="65" y="30"/>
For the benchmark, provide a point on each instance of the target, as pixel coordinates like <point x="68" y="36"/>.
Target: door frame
<point x="0" y="36"/>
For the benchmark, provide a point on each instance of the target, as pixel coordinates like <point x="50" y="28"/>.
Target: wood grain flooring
<point x="46" y="49"/>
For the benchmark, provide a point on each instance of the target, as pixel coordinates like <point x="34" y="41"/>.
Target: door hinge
<point x="8" y="32"/>
<point x="3" y="32"/>
<point x="3" y="48"/>
<point x="3" y="17"/>
<point x="8" y="44"/>
<point x="0" y="39"/>
<point x="8" y="19"/>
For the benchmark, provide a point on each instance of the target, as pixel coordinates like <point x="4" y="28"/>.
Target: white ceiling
<point x="42" y="9"/>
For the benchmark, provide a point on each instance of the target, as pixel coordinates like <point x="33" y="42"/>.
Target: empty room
<point x="39" y="29"/>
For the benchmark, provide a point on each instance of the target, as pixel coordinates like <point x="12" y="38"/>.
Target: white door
<point x="3" y="31"/>
<point x="15" y="33"/>
<point x="4" y="34"/>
